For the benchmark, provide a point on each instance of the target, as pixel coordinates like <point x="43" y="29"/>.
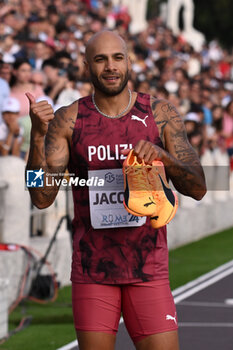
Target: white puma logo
<point x="134" y="117"/>
<point x="169" y="317"/>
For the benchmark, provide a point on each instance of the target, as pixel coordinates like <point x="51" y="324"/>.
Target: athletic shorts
<point x="147" y="308"/>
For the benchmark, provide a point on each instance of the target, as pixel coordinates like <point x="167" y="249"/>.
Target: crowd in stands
<point x="42" y="46"/>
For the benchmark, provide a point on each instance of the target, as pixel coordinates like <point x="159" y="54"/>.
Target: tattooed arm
<point x="181" y="161"/>
<point x="49" y="146"/>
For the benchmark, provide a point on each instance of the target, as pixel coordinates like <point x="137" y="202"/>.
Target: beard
<point x="109" y="91"/>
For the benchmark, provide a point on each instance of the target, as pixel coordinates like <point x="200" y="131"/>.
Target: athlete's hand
<point x="147" y="151"/>
<point x="41" y="114"/>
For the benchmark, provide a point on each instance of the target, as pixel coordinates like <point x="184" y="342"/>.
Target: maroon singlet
<point x="112" y="255"/>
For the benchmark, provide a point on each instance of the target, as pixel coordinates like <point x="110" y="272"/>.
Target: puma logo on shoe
<point x="154" y="217"/>
<point x="135" y="117"/>
<point x="147" y="204"/>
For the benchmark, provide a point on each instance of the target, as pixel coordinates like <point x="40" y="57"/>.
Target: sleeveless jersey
<point x="112" y="255"/>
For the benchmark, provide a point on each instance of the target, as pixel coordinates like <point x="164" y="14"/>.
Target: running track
<point x="205" y="314"/>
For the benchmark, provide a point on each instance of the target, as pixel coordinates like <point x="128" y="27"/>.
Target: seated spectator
<point x="192" y="123"/>
<point x="183" y="93"/>
<point x="197" y="141"/>
<point x="10" y="131"/>
<point x="64" y="61"/>
<point x="21" y="83"/>
<point x="162" y="93"/>
<point x="215" y="130"/>
<point x="5" y="70"/>
<point x="4" y="92"/>
<point x="38" y="78"/>
<point x="70" y="93"/>
<point x="143" y="86"/>
<point x="40" y="53"/>
<point x="84" y="88"/>
<point x="207" y="105"/>
<point x="228" y="127"/>
<point x="56" y="82"/>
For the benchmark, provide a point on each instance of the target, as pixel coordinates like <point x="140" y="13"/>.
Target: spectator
<point x="38" y="78"/>
<point x="228" y="127"/>
<point x="41" y="51"/>
<point x="217" y="124"/>
<point x="207" y="105"/>
<point x="85" y="88"/>
<point x="5" y="70"/>
<point x="64" y="61"/>
<point x="56" y="82"/>
<point x="10" y="131"/>
<point x="184" y="96"/>
<point x="4" y="90"/>
<point x="21" y="83"/>
<point x="194" y="131"/>
<point x="70" y="93"/>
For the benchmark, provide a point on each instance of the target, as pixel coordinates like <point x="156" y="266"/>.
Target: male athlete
<point x="123" y="268"/>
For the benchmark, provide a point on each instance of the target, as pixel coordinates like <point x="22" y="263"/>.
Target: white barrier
<point x="3" y="308"/>
<point x="17" y="204"/>
<point x="199" y="220"/>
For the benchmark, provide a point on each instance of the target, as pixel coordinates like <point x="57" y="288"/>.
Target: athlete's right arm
<point x="49" y="148"/>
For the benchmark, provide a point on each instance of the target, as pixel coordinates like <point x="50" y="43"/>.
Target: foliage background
<point x="212" y="17"/>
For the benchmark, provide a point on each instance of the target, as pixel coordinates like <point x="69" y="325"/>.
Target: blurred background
<point x="181" y="50"/>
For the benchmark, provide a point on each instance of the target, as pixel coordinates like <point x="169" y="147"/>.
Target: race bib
<point x="106" y="202"/>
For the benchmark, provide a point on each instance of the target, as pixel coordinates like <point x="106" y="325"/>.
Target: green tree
<point x="212" y="17"/>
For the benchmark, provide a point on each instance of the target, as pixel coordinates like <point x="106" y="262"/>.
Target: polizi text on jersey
<point x="103" y="152"/>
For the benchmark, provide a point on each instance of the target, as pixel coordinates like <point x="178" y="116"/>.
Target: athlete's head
<point x="107" y="62"/>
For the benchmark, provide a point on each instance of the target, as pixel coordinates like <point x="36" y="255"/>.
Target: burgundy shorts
<point x="148" y="308"/>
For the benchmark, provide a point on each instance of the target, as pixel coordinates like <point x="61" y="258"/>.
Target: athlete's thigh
<point x="96" y="340"/>
<point x="96" y="307"/>
<point x="148" y="310"/>
<point x="160" y="341"/>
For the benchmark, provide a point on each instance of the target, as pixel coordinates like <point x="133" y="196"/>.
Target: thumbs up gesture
<point x="41" y="114"/>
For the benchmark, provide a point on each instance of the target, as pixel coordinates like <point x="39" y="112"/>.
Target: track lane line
<point x="202" y="278"/>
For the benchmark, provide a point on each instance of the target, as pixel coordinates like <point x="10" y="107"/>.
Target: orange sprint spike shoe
<point x="165" y="199"/>
<point x="138" y="199"/>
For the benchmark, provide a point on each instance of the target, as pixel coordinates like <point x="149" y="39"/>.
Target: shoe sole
<point x="132" y="211"/>
<point x="170" y="217"/>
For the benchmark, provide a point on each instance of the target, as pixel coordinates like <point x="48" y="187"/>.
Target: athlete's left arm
<point x="181" y="161"/>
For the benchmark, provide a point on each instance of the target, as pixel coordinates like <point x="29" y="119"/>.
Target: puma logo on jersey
<point x="135" y="117"/>
<point x="169" y="317"/>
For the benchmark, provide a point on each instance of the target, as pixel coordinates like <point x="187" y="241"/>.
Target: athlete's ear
<point x="86" y="68"/>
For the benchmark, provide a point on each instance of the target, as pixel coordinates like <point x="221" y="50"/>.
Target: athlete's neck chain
<point x="112" y="116"/>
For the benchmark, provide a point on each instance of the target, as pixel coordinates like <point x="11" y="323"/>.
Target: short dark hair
<point x="52" y="62"/>
<point x="63" y="54"/>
